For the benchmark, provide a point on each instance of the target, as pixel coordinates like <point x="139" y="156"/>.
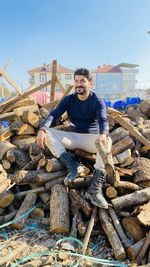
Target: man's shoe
<point x="94" y="192"/>
<point x="71" y="166"/>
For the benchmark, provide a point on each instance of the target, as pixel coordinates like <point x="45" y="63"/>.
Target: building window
<point x="43" y="78"/>
<point x="68" y="76"/>
<point x="126" y="87"/>
<point x="114" y="86"/>
<point x="126" y="76"/>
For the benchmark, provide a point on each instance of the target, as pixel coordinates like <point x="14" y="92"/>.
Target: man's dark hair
<point x="84" y="72"/>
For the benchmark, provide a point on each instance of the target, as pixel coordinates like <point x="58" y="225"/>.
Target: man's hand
<point x="41" y="139"/>
<point x="102" y="139"/>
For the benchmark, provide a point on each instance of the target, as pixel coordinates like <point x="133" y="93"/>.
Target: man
<point x="87" y="114"/>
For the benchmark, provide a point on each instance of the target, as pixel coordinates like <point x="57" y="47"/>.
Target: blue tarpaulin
<point x="122" y="104"/>
<point x="5" y="124"/>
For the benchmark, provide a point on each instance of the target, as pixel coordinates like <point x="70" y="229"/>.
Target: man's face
<point x="82" y="84"/>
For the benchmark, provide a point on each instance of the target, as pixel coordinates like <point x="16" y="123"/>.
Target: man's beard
<point x="80" y="90"/>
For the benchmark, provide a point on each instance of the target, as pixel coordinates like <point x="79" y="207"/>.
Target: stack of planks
<point x="29" y="174"/>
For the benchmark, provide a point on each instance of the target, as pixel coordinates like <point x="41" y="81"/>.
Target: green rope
<point x="19" y="218"/>
<point x="54" y="253"/>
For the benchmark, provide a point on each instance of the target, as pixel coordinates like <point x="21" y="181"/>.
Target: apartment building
<point x="43" y="74"/>
<point x="115" y="81"/>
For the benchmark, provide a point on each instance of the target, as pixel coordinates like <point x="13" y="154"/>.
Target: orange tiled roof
<point x="48" y="68"/>
<point x="103" y="69"/>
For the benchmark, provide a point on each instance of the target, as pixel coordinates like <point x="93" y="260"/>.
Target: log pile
<point x="29" y="175"/>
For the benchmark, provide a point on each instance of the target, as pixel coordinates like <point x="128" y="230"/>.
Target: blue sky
<point x="75" y="32"/>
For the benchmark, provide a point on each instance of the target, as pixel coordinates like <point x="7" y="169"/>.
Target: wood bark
<point x="142" y="166"/>
<point x="125" y="241"/>
<point x="83" y="154"/>
<point x="89" y="230"/>
<point x="34" y="150"/>
<point x="114" y="240"/>
<point x="28" y="202"/>
<point x="143" y="249"/>
<point x="45" y="197"/>
<point x="118" y="134"/>
<point x="135" y="198"/>
<point x="122" y="145"/>
<point x="145" y="106"/>
<point x="127" y="185"/>
<point x="50" y="184"/>
<point x="23" y="141"/>
<point x="132" y="130"/>
<point x="133" y="229"/>
<point x="4" y="147"/>
<point x="59" y="214"/>
<point x="24" y="193"/>
<point x="80" y="202"/>
<point x="6" y="198"/>
<point x="24" y="177"/>
<point x="134" y="250"/>
<point x="42" y="178"/>
<point x="20" y="157"/>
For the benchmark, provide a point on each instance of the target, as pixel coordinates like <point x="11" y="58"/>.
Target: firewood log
<point x="13" y="254"/>
<point x="145" y="107"/>
<point x="114" y="240"/>
<point x="122" y="145"/>
<point x="134" y="198"/>
<point x="125" y="241"/>
<point x="20" y="157"/>
<point x="54" y="165"/>
<point x="134" y="113"/>
<point x="6" y="198"/>
<point x="8" y="217"/>
<point x="34" y="149"/>
<point x="144" y="215"/>
<point x="31" y="118"/>
<point x="28" y="202"/>
<point x="133" y="229"/>
<point x="134" y="250"/>
<point x="80" y="202"/>
<point x="127" y="185"/>
<point x="45" y="197"/>
<point x="144" y="248"/>
<point x="118" y="134"/>
<point x="89" y="229"/>
<point x="24" y="177"/>
<point x="50" y="184"/>
<point x="42" y="178"/>
<point x="142" y="166"/>
<point x="5" y="134"/>
<point x="59" y="210"/>
<point x="83" y="154"/>
<point x="6" y="164"/>
<point x="19" y="111"/>
<point x="23" y="141"/>
<point x="33" y="163"/>
<point x="44" y="113"/>
<point x="111" y="192"/>
<point x="24" y="193"/>
<point x="4" y="147"/>
<point x="38" y="213"/>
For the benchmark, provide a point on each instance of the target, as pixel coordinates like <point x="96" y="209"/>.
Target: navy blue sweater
<point x="88" y="116"/>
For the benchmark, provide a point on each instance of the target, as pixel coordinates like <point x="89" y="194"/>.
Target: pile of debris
<point x="31" y="185"/>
